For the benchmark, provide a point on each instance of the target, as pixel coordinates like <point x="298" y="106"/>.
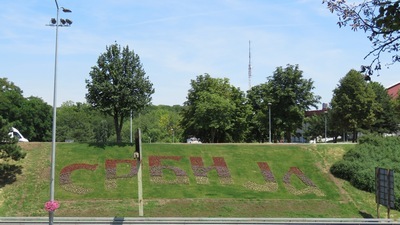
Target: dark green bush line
<point x="358" y="164"/>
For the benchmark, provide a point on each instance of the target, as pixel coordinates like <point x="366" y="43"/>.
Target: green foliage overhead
<point x="380" y="19"/>
<point x="119" y="85"/>
<point x="358" y="165"/>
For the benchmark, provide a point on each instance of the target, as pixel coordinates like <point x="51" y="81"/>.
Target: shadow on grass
<point x="8" y="174"/>
<point x="365" y="215"/>
<point x="111" y="144"/>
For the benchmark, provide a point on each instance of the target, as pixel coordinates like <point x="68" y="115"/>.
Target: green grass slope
<point x="299" y="184"/>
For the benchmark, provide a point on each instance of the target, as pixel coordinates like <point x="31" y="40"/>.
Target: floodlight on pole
<point x="66" y="10"/>
<point x="55" y="22"/>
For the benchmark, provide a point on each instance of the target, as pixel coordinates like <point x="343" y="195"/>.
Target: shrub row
<point x="358" y="164"/>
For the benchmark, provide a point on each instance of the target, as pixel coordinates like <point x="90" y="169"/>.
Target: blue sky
<point x="178" y="40"/>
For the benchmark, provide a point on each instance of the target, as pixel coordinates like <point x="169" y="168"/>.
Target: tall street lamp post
<point x="325" y="112"/>
<point x="56" y="23"/>
<point x="269" y="123"/>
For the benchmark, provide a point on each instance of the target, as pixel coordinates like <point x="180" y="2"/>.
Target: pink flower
<point x="51" y="206"/>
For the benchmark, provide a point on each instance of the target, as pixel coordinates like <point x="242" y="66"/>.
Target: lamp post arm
<point x="56" y="4"/>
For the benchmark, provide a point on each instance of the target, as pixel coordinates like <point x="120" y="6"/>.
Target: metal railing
<point x="188" y="220"/>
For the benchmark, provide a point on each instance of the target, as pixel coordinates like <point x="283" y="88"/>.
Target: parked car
<point x="16" y="134"/>
<point x="193" y="140"/>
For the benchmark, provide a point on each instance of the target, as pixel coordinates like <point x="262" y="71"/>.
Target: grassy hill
<point x="181" y="180"/>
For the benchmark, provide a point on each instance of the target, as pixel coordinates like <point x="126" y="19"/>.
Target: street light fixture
<point x="269" y="118"/>
<point x="64" y="23"/>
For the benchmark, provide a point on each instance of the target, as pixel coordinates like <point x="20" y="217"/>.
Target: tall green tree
<point x="291" y="95"/>
<point x="215" y="111"/>
<point x="380" y="19"/>
<point x="353" y="104"/>
<point x="386" y="119"/>
<point x="119" y="85"/>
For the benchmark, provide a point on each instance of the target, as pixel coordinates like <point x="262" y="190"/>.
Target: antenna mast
<point x="249" y="72"/>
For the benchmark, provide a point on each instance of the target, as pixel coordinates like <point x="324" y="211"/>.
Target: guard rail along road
<point x="189" y="220"/>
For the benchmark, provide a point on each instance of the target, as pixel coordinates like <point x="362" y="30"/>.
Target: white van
<point x="15" y="133"/>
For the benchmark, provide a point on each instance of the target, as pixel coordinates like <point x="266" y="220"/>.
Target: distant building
<point x="318" y="111"/>
<point x="393" y="90"/>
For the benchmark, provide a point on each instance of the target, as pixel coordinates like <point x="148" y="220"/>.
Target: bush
<point x="358" y="164"/>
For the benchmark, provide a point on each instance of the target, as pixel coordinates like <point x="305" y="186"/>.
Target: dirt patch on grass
<point x="28" y="146"/>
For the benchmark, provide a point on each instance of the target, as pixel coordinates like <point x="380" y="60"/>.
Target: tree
<point x="315" y="126"/>
<point x="215" y="111"/>
<point x="291" y="95"/>
<point x="159" y="124"/>
<point x="9" y="150"/>
<point x="258" y="98"/>
<point x="32" y="116"/>
<point x="353" y="104"/>
<point x="80" y="122"/>
<point x="11" y="100"/>
<point x="386" y="118"/>
<point x="35" y="119"/>
<point x="379" y="18"/>
<point x="119" y="85"/>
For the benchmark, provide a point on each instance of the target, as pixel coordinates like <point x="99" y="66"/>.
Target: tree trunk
<point x="117" y="130"/>
<point x="288" y="136"/>
<point x="354" y="136"/>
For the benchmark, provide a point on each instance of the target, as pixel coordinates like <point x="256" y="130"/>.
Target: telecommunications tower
<point x="249" y="72"/>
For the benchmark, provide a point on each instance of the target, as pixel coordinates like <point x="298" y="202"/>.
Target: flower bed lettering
<point x="156" y="168"/>
<point x="65" y="177"/>
<point x="311" y="187"/>
<point x="157" y="164"/>
<point x="270" y="183"/>
<point x="111" y="171"/>
<point x="200" y="172"/>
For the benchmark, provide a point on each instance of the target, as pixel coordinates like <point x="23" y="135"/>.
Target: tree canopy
<point x="354" y="104"/>
<point x="215" y="111"/>
<point x="380" y="19"/>
<point x="119" y="85"/>
<point x="32" y="116"/>
<point x="289" y="96"/>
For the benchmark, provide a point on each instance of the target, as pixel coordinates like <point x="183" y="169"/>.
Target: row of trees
<point x="357" y="107"/>
<point x="215" y="110"/>
<point x="219" y="112"/>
